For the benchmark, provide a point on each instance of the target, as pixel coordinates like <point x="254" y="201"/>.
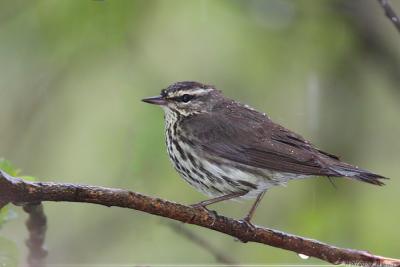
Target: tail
<point x="352" y="172"/>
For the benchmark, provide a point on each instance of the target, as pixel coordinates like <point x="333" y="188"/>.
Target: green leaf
<point x="6" y="166"/>
<point x="28" y="178"/>
<point x="8" y="253"/>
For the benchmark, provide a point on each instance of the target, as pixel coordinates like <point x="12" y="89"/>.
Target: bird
<point x="228" y="150"/>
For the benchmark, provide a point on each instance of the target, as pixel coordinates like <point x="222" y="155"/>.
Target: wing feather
<point x="250" y="138"/>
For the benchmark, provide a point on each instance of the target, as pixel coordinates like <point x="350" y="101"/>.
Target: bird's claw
<point x="199" y="206"/>
<point x="203" y="208"/>
<point x="251" y="227"/>
<point x="247" y="222"/>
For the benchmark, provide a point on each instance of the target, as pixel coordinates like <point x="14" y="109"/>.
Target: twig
<point x="17" y="190"/>
<point x="390" y="13"/>
<point x="37" y="225"/>
<point x="219" y="255"/>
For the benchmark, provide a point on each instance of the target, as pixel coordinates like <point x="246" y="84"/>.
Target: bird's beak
<point x="155" y="100"/>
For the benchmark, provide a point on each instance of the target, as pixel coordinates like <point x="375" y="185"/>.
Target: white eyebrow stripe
<point x="199" y="91"/>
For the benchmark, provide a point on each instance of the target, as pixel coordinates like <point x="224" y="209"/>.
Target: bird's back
<point x="240" y="134"/>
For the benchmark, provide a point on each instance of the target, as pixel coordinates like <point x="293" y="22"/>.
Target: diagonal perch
<point x="19" y="191"/>
<point x="390" y="13"/>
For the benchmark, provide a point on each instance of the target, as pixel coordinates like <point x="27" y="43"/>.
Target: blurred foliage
<point x="72" y="74"/>
<point x="6" y="213"/>
<point x="8" y="167"/>
<point x="8" y="253"/>
<point x="8" y="249"/>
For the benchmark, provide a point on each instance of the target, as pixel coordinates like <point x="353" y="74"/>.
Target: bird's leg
<point x="205" y="203"/>
<point x="253" y="208"/>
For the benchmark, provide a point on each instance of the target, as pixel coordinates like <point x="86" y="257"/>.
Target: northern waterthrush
<point x="229" y="150"/>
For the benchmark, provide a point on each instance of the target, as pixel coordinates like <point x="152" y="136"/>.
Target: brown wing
<point x="246" y="136"/>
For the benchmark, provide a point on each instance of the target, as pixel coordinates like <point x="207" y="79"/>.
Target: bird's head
<point x="186" y="98"/>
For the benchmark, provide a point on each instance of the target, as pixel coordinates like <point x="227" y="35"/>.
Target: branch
<point x="17" y="190"/>
<point x="390" y="13"/>
<point x="37" y="225"/>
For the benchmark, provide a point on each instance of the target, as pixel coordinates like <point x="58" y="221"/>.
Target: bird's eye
<point x="186" y="98"/>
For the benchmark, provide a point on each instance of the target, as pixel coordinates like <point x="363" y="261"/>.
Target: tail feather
<point x="359" y="174"/>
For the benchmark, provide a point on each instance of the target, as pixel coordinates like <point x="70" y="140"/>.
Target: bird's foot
<point x="251" y="228"/>
<point x="203" y="208"/>
<point x="247" y="222"/>
<point x="200" y="206"/>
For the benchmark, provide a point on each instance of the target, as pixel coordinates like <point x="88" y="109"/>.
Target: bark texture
<point x="16" y="190"/>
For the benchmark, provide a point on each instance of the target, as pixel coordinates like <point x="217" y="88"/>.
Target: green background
<point x="72" y="74"/>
